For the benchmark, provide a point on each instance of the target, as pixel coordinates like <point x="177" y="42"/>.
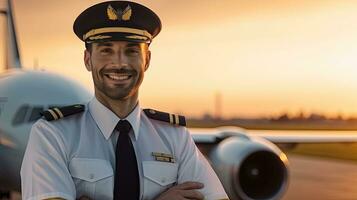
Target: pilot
<point x="111" y="148"/>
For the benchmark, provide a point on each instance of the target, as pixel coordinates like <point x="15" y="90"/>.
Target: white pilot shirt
<point x="75" y="156"/>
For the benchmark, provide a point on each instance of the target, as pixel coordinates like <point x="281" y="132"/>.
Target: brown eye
<point x="133" y="51"/>
<point x="106" y="51"/>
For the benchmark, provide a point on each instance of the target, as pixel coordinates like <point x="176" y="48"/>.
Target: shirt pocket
<point x="158" y="176"/>
<point x="93" y="178"/>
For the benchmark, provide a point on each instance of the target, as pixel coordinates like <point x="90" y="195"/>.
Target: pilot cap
<point x="117" y="20"/>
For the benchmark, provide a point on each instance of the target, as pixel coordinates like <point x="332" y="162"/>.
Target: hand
<point x="186" y="190"/>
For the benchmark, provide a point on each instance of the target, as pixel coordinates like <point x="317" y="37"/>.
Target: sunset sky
<point x="263" y="57"/>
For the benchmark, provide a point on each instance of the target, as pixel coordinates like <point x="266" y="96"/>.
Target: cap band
<point x="117" y="30"/>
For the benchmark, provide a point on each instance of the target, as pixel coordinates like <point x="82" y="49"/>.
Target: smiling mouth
<point x="118" y="76"/>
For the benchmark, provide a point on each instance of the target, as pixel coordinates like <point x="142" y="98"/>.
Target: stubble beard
<point x="117" y="93"/>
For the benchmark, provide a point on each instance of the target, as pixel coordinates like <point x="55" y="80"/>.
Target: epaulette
<point x="58" y="113"/>
<point x="165" y="117"/>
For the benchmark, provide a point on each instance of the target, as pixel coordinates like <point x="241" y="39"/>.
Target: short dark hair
<point x="88" y="46"/>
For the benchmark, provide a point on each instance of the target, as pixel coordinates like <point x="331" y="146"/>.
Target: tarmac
<point x="314" y="178"/>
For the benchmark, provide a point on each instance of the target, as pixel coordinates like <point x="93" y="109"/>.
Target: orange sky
<point x="263" y="57"/>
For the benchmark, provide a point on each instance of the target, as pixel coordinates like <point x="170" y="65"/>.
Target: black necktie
<point x="126" y="183"/>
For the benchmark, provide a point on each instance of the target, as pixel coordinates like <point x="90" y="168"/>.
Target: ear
<point x="87" y="62"/>
<point x="147" y="59"/>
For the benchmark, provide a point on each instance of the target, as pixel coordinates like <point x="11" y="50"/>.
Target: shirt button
<point x="91" y="176"/>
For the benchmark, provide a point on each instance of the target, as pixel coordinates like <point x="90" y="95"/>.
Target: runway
<point x="313" y="178"/>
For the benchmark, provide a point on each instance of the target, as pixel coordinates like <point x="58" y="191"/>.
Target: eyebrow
<point x="106" y="44"/>
<point x="132" y="44"/>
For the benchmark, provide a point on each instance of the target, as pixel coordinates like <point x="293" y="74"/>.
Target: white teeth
<point x="118" y="77"/>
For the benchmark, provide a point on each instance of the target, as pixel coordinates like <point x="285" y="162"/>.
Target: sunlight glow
<point x="263" y="58"/>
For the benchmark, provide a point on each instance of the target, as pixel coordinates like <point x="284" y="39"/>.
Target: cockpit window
<point x="20" y="115"/>
<point x="35" y="114"/>
<point x="3" y="100"/>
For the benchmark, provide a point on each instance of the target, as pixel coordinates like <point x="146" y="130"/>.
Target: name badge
<point x="163" y="157"/>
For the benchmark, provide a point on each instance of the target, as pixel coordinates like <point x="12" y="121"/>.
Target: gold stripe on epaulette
<point x="53" y="114"/>
<point x="171" y="119"/>
<point x="177" y="120"/>
<point x="60" y="114"/>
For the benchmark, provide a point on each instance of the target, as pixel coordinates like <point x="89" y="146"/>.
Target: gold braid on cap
<point x="117" y="30"/>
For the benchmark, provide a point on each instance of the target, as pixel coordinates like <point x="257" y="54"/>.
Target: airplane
<point x="250" y="167"/>
<point x="23" y="95"/>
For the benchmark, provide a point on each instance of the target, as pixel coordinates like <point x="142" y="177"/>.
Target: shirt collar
<point x="106" y="120"/>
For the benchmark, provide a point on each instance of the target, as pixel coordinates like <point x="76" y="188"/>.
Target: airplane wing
<point x="215" y="135"/>
<point x="304" y="138"/>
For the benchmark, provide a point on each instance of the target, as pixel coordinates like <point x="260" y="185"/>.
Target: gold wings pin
<point x="119" y="14"/>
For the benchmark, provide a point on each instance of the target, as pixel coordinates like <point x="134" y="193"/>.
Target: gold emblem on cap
<point x="119" y="14"/>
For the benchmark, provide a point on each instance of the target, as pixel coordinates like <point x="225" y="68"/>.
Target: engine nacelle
<point x="250" y="168"/>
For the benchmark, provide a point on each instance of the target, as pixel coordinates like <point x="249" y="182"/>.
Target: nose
<point x="120" y="59"/>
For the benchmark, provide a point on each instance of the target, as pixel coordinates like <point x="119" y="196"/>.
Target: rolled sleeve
<point x="193" y="166"/>
<point x="44" y="171"/>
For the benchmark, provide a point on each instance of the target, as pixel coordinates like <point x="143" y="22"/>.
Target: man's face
<point x="117" y="68"/>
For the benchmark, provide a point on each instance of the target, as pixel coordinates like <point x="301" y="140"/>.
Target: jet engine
<point x="250" y="167"/>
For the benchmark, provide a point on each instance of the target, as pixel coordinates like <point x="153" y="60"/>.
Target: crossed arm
<point x="185" y="190"/>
